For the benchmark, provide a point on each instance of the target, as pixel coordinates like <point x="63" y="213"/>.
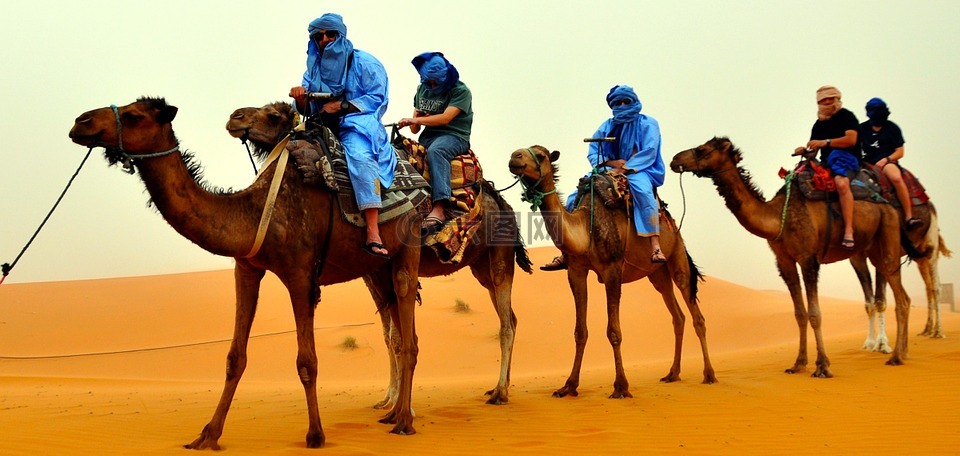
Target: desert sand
<point x="136" y="365"/>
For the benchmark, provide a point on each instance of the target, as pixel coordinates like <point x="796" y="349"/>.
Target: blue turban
<point x="434" y="66"/>
<point x="877" y="111"/>
<point x="327" y="72"/>
<point x="627" y="115"/>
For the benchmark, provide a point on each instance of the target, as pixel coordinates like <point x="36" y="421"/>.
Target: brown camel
<point x="604" y="242"/>
<point x="807" y="236"/>
<point x="306" y="246"/>
<point x="491" y="262"/>
<point x="928" y="241"/>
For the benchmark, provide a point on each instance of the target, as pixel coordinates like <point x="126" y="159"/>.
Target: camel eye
<point x="273" y="116"/>
<point x="129" y="118"/>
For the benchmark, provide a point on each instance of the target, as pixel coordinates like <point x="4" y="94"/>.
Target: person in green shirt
<point x="443" y="107"/>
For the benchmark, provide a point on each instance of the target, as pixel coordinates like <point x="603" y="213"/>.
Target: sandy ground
<point x="136" y="365"/>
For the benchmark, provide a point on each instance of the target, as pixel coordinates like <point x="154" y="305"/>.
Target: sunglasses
<point x="622" y="102"/>
<point x="328" y="33"/>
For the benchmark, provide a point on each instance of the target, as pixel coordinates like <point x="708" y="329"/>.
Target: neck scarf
<point x="327" y="69"/>
<point x="433" y="66"/>
<point x="825" y="112"/>
<point x="877" y="111"/>
<point x="628" y="116"/>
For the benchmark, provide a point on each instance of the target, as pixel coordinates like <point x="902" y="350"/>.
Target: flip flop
<point x="431" y="225"/>
<point x="847" y="244"/>
<point x="368" y="247"/>
<point x="557" y="264"/>
<point x="914" y="223"/>
<point x="657" y="257"/>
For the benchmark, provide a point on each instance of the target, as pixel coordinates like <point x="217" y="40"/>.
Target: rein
<point x="278" y="153"/>
<point x="530" y="193"/>
<point x="128" y="159"/>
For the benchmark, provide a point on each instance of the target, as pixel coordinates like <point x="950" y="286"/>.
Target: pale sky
<point x="539" y="71"/>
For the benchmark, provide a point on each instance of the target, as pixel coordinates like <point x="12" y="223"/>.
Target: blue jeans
<point x="440" y="151"/>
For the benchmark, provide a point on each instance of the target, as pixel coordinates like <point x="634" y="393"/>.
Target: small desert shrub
<point x="461" y="306"/>
<point x="349" y="343"/>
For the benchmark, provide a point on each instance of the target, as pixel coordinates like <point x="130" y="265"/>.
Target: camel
<point x="802" y="234"/>
<point x="490" y="262"/>
<point x="604" y="242"/>
<point x="306" y="246"/>
<point x="928" y="240"/>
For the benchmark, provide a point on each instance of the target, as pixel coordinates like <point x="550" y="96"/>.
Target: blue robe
<point x="646" y="171"/>
<point x="371" y="159"/>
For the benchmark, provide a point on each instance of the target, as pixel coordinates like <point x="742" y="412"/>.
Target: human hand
<point x="332" y="107"/>
<point x="406" y="122"/>
<point x="298" y="93"/>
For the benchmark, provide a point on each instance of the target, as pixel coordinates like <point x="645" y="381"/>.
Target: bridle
<point x="127" y="158"/>
<point x="531" y="194"/>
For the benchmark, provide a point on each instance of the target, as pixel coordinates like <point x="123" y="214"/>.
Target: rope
<point x="250" y="154"/>
<point x="7" y="267"/>
<point x="783" y="216"/>
<point x="169" y="347"/>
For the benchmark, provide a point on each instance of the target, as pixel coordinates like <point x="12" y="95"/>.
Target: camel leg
<point x="577" y="278"/>
<point x="247" y="286"/>
<point x="931" y="280"/>
<point x="303" y="312"/>
<point x="391" y="339"/>
<point x="880" y="303"/>
<point x="788" y="272"/>
<point x="662" y="283"/>
<point x="902" y="311"/>
<point x="811" y="273"/>
<point x="860" y="267"/>
<point x="612" y="282"/>
<point x="497" y="278"/>
<point x="404" y="284"/>
<point x="684" y="279"/>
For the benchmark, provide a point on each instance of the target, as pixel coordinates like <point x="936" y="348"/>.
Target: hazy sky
<point x="539" y="71"/>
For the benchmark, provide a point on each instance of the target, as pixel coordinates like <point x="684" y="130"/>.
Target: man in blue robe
<point x="634" y="153"/>
<point x="359" y="84"/>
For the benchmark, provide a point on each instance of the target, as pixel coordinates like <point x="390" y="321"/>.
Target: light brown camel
<point x="307" y="245"/>
<point x="928" y="241"/>
<point x="491" y="257"/>
<point x="604" y="242"/>
<point x="807" y="237"/>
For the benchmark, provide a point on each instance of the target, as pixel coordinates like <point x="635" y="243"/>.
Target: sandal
<point x="657" y="257"/>
<point x="847" y="244"/>
<point x="559" y="263"/>
<point x="370" y="246"/>
<point x="914" y="223"/>
<point x="431" y="225"/>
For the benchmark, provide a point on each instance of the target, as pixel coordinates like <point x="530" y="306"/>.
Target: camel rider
<point x="443" y="107"/>
<point x="634" y="153"/>
<point x="359" y="82"/>
<point x="882" y="143"/>
<point x="835" y="134"/>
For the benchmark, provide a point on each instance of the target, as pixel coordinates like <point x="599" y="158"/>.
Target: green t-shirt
<point x="431" y="103"/>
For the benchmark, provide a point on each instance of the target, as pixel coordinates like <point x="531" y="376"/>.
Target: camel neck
<point x="568" y="231"/>
<point x="205" y="218"/>
<point x="759" y="217"/>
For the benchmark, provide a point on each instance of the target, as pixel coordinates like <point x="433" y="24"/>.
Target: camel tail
<point x="943" y="248"/>
<point x="695" y="278"/>
<point x="521" y="254"/>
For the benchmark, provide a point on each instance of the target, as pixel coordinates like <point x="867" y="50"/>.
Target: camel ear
<point x="166" y="115"/>
<point x="554" y="156"/>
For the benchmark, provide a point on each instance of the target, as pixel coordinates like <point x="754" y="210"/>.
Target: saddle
<point x="320" y="159"/>
<point x="918" y="194"/>
<point x="816" y="183"/>
<point x="613" y="189"/>
<point x="465" y="213"/>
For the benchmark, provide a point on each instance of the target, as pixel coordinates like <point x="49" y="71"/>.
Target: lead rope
<point x="786" y="203"/>
<point x="7" y="267"/>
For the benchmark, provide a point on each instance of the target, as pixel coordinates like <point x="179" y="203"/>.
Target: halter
<point x="530" y="192"/>
<point x="127" y="158"/>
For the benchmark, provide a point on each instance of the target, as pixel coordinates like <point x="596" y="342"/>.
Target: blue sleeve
<point x="595" y="153"/>
<point x="372" y="90"/>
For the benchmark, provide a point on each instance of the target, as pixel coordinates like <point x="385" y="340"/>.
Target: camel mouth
<point x="86" y="139"/>
<point x="242" y="133"/>
<point x="516" y="169"/>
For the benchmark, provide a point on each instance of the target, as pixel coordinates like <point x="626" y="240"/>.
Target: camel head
<point x="142" y="127"/>
<point x="714" y="156"/>
<point x="264" y="126"/>
<point x="534" y="164"/>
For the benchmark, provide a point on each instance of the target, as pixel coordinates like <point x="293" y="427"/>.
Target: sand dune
<point x="135" y="366"/>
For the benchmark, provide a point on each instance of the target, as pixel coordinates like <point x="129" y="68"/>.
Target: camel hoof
<point x="710" y="379"/>
<point x="621" y="395"/>
<point x="895" y="361"/>
<point x="315" y="439"/>
<point x="384" y="404"/>
<point x="795" y="370"/>
<point x="822" y="373"/>
<point x="403" y="429"/>
<point x="497" y="398"/>
<point x="670" y="378"/>
<point x="564" y="392"/>
<point x="204" y="442"/>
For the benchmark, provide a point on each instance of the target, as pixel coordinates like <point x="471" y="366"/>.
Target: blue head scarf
<point x="627" y="115"/>
<point x="877" y="111"/>
<point x="327" y="72"/>
<point x="433" y="66"/>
